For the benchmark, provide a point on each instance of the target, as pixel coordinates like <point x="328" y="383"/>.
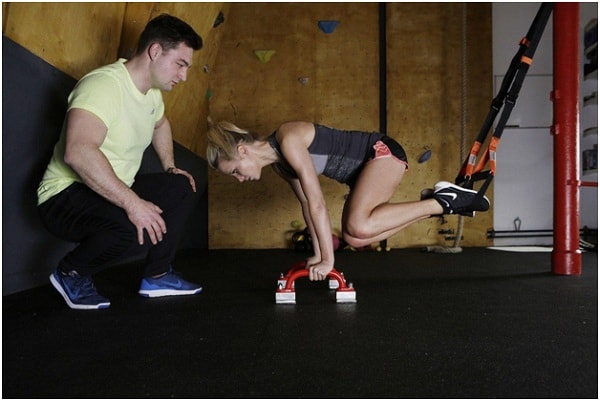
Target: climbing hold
<point x="303" y="80"/>
<point x="328" y="26"/>
<point x="219" y="20"/>
<point x="425" y="156"/>
<point x="264" y="55"/>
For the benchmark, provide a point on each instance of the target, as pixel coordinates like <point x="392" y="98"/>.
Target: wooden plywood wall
<point x="424" y="49"/>
<point x="186" y="105"/>
<point x="74" y="37"/>
<point x="78" y="37"/>
<point x="425" y="87"/>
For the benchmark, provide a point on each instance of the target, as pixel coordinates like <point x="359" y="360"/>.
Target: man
<point x="90" y="193"/>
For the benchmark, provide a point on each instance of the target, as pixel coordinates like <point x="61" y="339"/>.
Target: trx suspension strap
<point x="507" y="97"/>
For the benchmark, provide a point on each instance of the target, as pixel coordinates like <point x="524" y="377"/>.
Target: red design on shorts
<point x="381" y="150"/>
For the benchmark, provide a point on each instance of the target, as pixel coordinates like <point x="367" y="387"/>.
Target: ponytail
<point x="222" y="141"/>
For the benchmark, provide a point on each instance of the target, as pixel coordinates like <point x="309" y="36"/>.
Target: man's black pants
<point x="105" y="234"/>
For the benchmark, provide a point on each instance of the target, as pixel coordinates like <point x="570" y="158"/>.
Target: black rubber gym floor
<point x="479" y="324"/>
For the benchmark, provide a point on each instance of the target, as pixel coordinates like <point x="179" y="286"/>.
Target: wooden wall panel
<point x="342" y="91"/>
<point x="4" y="14"/>
<point x="187" y="104"/>
<point x="75" y="37"/>
<point x="136" y="17"/>
<point x="78" y="37"/>
<point x="480" y="92"/>
<point x="424" y="52"/>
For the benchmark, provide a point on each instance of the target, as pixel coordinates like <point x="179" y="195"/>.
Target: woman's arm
<point x="297" y="188"/>
<point x="294" y="139"/>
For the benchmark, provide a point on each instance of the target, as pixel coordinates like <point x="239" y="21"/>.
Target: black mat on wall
<point x="34" y="100"/>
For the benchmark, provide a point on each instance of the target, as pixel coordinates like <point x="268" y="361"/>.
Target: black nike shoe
<point x="458" y="200"/>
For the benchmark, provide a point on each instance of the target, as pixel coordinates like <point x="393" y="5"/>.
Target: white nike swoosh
<point x="177" y="283"/>
<point x="453" y="195"/>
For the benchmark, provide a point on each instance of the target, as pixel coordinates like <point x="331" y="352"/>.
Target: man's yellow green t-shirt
<point x="129" y="115"/>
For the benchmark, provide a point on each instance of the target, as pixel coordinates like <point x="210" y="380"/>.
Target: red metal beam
<point x="566" y="255"/>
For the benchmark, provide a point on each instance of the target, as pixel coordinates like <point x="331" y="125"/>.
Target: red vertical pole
<point x="566" y="255"/>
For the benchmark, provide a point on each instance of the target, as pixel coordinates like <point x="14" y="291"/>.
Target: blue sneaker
<point x="79" y="292"/>
<point x="171" y="283"/>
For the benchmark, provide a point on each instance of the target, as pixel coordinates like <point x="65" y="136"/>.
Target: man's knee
<point x="117" y="233"/>
<point x="181" y="185"/>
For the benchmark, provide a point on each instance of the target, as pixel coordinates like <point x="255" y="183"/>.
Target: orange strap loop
<point x="472" y="158"/>
<point x="492" y="151"/>
<point x="482" y="162"/>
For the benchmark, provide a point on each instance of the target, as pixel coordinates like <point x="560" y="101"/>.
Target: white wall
<point x="589" y="116"/>
<point x="523" y="186"/>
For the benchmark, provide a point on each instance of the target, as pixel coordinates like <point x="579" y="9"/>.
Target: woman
<point x="371" y="164"/>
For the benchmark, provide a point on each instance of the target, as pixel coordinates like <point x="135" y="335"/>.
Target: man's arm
<point x="85" y="134"/>
<point x="162" y="141"/>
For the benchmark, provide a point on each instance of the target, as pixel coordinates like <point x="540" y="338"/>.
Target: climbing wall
<point x="320" y="62"/>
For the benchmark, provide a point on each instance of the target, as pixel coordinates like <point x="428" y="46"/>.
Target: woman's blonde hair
<point x="223" y="139"/>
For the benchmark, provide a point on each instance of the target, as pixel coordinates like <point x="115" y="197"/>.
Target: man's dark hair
<point x="169" y="32"/>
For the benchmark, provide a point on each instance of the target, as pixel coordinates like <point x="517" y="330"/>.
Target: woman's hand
<point x="319" y="271"/>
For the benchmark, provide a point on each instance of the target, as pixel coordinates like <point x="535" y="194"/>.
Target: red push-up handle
<point x="302" y="272"/>
<point x="295" y="267"/>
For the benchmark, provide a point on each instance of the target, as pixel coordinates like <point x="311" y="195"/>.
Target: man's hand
<point x="146" y="216"/>
<point x="175" y="170"/>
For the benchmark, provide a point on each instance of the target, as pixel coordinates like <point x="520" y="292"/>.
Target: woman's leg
<point x="369" y="216"/>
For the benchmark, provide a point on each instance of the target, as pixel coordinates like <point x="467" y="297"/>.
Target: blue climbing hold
<point x="425" y="156"/>
<point x="328" y="26"/>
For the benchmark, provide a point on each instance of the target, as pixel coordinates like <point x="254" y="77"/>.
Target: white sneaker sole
<point x="62" y="292"/>
<point x="167" y="293"/>
<point x="445" y="184"/>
